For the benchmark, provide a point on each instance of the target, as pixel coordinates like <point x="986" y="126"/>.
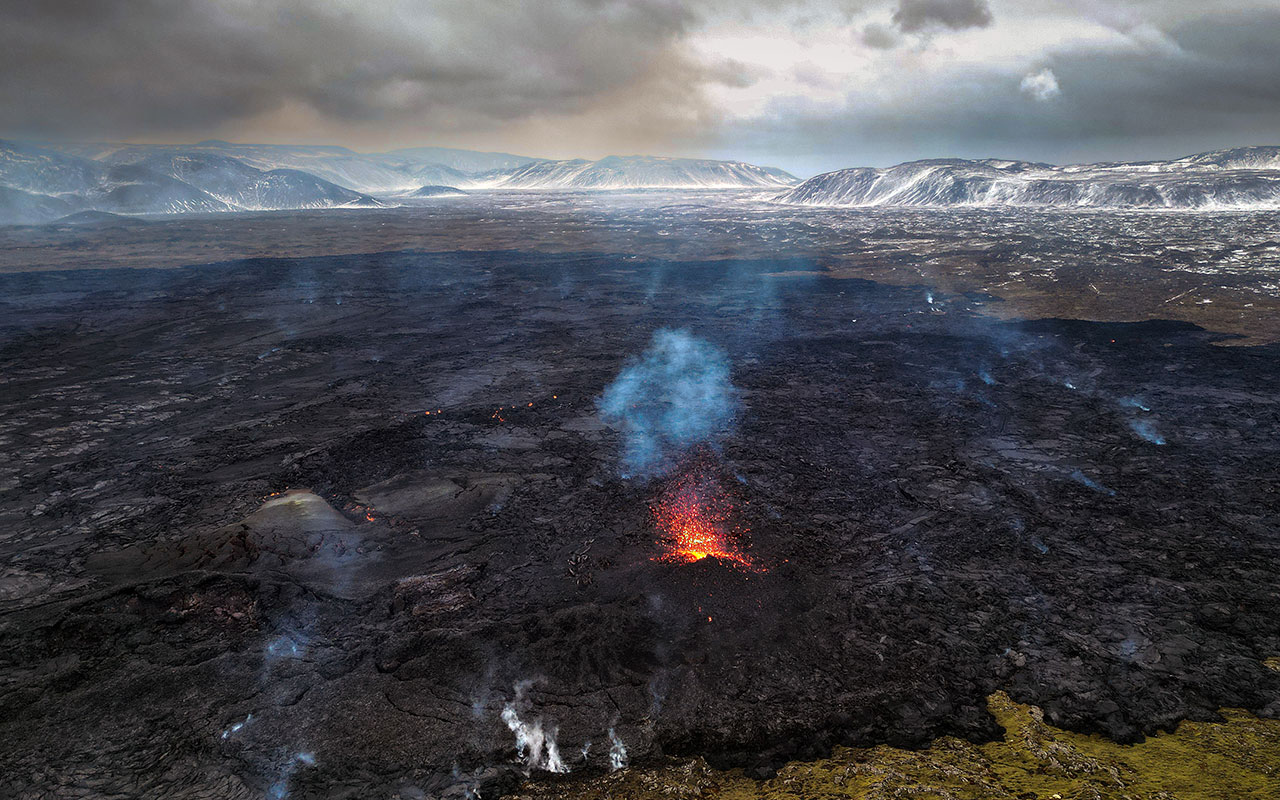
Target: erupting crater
<point x="693" y="516"/>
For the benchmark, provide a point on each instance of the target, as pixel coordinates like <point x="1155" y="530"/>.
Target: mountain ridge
<point x="400" y="173"/>
<point x="1232" y="178"/>
<point x="41" y="182"/>
<point x="641" y="172"/>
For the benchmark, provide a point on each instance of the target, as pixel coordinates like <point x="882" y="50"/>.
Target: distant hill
<point x="24" y="208"/>
<point x="1240" y="178"/>
<point x="214" y="175"/>
<point x="44" y="182"/>
<point x="40" y="184"/>
<point x="98" y="219"/>
<point x="437" y="191"/>
<point x="49" y="172"/>
<point x="82" y="183"/>
<point x="357" y="172"/>
<point x="242" y="186"/>
<point x="364" y="173"/>
<point x="639" y="172"/>
<point x="467" y="161"/>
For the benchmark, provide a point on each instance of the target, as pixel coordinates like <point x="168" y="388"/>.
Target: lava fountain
<point x="693" y="516"/>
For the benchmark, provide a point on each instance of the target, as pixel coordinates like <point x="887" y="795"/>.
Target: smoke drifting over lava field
<point x="424" y="501"/>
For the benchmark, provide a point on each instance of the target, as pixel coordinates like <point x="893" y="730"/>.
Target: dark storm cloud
<point x="130" y="67"/>
<point x="1209" y="76"/>
<point x="918" y="15"/>
<point x="923" y="78"/>
<point x="1199" y="85"/>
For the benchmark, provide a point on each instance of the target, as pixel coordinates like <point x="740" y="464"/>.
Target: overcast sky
<point x="807" y="86"/>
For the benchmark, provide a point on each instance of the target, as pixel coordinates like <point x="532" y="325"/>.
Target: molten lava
<point x="693" y="516"/>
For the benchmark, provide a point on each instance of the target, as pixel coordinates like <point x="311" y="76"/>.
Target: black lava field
<point x="346" y="526"/>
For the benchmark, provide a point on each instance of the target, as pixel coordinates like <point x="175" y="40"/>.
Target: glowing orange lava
<point x="693" y="516"/>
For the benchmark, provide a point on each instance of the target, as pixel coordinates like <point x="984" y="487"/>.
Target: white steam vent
<point x="617" y="751"/>
<point x="535" y="746"/>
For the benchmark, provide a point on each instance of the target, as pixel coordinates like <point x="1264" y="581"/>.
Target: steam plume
<point x="535" y="746"/>
<point x="676" y="395"/>
<point x="617" y="751"/>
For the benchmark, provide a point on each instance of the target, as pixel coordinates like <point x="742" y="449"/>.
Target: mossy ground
<point x="1238" y="758"/>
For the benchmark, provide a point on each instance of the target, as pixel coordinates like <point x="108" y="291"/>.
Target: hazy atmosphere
<point x="808" y="86"/>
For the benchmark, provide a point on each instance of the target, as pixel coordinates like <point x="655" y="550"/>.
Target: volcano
<point x="694" y="517"/>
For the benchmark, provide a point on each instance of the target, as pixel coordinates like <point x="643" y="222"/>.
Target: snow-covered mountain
<point x="364" y="173"/>
<point x="81" y="183"/>
<point x="637" y="172"/>
<point x="42" y="171"/>
<point x="210" y="176"/>
<point x="133" y="189"/>
<point x="465" y="161"/>
<point x="391" y="173"/>
<point x="23" y="208"/>
<point x="1241" y="178"/>
<point x="41" y="184"/>
<point x="1259" y="157"/>
<point x="242" y="186"/>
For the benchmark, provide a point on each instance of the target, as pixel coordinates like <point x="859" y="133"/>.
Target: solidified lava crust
<point x="242" y="555"/>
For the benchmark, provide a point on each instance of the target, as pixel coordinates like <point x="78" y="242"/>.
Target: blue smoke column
<point x="677" y="394"/>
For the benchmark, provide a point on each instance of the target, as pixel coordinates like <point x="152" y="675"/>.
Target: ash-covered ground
<point x="241" y="559"/>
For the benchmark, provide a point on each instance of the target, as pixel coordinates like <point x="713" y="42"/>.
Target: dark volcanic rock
<point x="241" y="557"/>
